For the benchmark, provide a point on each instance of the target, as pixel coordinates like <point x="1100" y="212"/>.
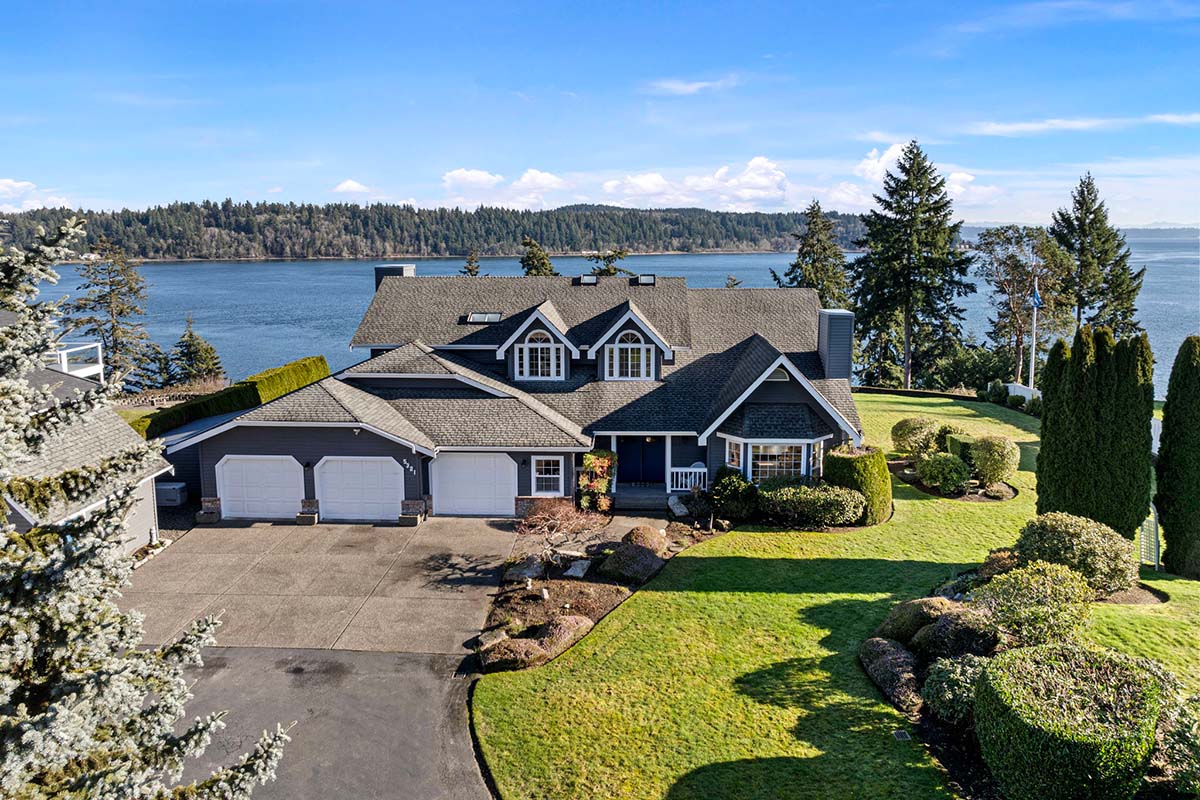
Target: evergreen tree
<point x="1011" y="257"/>
<point x="732" y="281"/>
<point x="1178" y="497"/>
<point x="471" y="268"/>
<point x="1102" y="284"/>
<point x="912" y="271"/>
<point x="606" y="262"/>
<point x="114" y="296"/>
<point x="1095" y="454"/>
<point x="158" y="371"/>
<point x="820" y="263"/>
<point x="193" y="358"/>
<point x="85" y="711"/>
<point x="535" y="262"/>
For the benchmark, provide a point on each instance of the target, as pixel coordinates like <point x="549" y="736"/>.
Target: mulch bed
<point x="903" y="471"/>
<point x="1139" y="595"/>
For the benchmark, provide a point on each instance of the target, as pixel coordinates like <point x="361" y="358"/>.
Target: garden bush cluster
<point x="804" y="506"/>
<point x="947" y="458"/>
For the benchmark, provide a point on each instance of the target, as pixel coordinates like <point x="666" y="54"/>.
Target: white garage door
<point x="366" y="488"/>
<point x="260" y="487"/>
<point x="474" y="483"/>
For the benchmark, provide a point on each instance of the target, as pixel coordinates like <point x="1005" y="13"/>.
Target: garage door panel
<point x="368" y="488"/>
<point x="260" y="487"/>
<point x="474" y="483"/>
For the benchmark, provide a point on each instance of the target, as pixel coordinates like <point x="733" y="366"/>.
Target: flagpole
<point x="1033" y="342"/>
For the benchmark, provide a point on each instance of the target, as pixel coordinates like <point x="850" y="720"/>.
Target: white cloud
<point x="761" y="184"/>
<point x="848" y="196"/>
<point x="466" y="180"/>
<point x="882" y="137"/>
<point x="876" y="164"/>
<point x="1034" y="127"/>
<point x="275" y="190"/>
<point x="350" y="186"/>
<point x="963" y="190"/>
<point x="676" y="86"/>
<point x="534" y="180"/>
<point x="17" y="196"/>
<point x="14" y="188"/>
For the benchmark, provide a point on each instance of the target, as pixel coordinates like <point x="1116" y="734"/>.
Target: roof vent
<point x="589" y="280"/>
<point x="483" y="317"/>
<point x="646" y="280"/>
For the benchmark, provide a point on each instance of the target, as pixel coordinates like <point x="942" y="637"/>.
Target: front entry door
<point x="641" y="459"/>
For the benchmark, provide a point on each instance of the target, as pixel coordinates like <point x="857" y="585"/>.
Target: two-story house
<point x="481" y="393"/>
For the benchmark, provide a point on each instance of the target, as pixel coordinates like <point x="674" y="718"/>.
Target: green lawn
<point x="734" y="675"/>
<point x="132" y="415"/>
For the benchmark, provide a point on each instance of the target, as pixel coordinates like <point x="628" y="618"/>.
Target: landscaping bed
<point x="996" y="493"/>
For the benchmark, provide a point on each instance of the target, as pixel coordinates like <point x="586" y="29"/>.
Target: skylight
<point x="588" y="280"/>
<point x="483" y="317"/>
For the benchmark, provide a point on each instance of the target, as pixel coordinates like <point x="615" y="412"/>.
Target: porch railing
<point x="684" y="479"/>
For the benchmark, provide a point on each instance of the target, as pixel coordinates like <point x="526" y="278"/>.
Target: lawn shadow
<point x="902" y="578"/>
<point x="841" y="715"/>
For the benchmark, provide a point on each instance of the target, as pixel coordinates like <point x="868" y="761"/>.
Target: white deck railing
<point x="81" y="359"/>
<point x="684" y="479"/>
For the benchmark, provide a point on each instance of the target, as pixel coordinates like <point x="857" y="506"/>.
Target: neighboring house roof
<point x="86" y="441"/>
<point x="405" y="360"/>
<point x="775" y="421"/>
<point x="62" y="385"/>
<point x="435" y="309"/>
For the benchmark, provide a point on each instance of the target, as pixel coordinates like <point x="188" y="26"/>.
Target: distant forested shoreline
<point x="228" y="230"/>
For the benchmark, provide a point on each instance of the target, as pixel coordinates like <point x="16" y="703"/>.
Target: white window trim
<point x="732" y="445"/>
<point x="632" y="316"/>
<point x="612" y="358"/>
<point x="805" y="457"/>
<point x="523" y="351"/>
<point x="536" y="316"/>
<point x="533" y="476"/>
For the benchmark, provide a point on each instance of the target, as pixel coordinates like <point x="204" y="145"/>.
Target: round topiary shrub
<point x="914" y="435"/>
<point x="1016" y="401"/>
<point x="1065" y="722"/>
<point x="863" y="469"/>
<point x="1039" y="603"/>
<point x="733" y="496"/>
<point x="804" y="506"/>
<point x="995" y="459"/>
<point x="944" y="472"/>
<point x="1102" y="556"/>
<point x="949" y="690"/>
<point x="943" y="433"/>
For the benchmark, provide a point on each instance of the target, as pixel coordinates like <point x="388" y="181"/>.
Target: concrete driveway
<point x="344" y="587"/>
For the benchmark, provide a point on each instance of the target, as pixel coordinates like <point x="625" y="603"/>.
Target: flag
<point x="1036" y="299"/>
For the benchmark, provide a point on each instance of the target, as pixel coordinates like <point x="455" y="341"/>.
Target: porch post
<point x="668" y="472"/>
<point x="613" y="448"/>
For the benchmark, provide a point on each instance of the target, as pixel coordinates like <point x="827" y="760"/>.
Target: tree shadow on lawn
<point x="841" y="715"/>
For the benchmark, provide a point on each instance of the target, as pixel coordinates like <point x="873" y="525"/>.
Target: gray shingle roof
<point x="774" y="421"/>
<point x="406" y="360"/>
<point x="435" y="309"/>
<point x="85" y="441"/>
<point x="62" y="385"/>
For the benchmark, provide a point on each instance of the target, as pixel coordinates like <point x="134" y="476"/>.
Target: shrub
<point x="949" y="690"/>
<point x="947" y="473"/>
<point x="1038" y="603"/>
<point x="1064" y="722"/>
<point x="962" y="446"/>
<point x="960" y="631"/>
<point x="893" y="670"/>
<point x="997" y="392"/>
<point x="995" y="459"/>
<point x="998" y="562"/>
<point x="914" y="435"/>
<point x="943" y="433"/>
<point x="1034" y="406"/>
<point x="698" y="505"/>
<point x="733" y="496"/>
<point x="811" y="506"/>
<point x="1015" y="401"/>
<point x="255" y="390"/>
<point x="1101" y="555"/>
<point x="1178" y="467"/>
<point x="559" y="518"/>
<point x="908" y="617"/>
<point x="1177" y="741"/>
<point x="865" y="471"/>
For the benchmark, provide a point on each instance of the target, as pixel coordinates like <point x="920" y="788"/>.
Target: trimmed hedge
<point x="961" y="445"/>
<point x="1178" y="501"/>
<point x="949" y="690"/>
<point x="947" y="472"/>
<point x="732" y="495"/>
<point x="1065" y="722"/>
<point x="944" y="432"/>
<point x="914" y="435"/>
<point x="1102" y="556"/>
<point x="1038" y="603"/>
<point x="253" y="391"/>
<point x="865" y="471"/>
<point x="995" y="459"/>
<point x="801" y="506"/>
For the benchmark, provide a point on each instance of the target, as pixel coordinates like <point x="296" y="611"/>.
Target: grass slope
<point x="734" y="674"/>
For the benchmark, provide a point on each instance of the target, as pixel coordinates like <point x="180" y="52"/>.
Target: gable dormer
<point x="539" y="350"/>
<point x="630" y="349"/>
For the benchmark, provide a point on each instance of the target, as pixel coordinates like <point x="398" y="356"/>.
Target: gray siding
<point x="835" y="342"/>
<point x="716" y="456"/>
<point x="143" y="519"/>
<point x="791" y="391"/>
<point x="308" y="446"/>
<point x="525" y="471"/>
<point x="686" y="451"/>
<point x="187" y="470"/>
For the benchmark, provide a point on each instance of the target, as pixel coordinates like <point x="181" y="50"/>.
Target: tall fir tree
<point x="1103" y="285"/>
<point x="535" y="262"/>
<point x="820" y="263"/>
<point x="114" y="297"/>
<point x="1095" y="454"/>
<point x="1010" y="258"/>
<point x="606" y="262"/>
<point x="912" y="271"/>
<point x="471" y="267"/>
<point x="85" y="710"/>
<point x="1178" y="497"/>
<point x="193" y="358"/>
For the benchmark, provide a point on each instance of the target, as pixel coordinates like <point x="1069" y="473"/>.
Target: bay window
<point x="769" y="460"/>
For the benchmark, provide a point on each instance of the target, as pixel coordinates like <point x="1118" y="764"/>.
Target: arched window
<point x="539" y="358"/>
<point x="630" y="358"/>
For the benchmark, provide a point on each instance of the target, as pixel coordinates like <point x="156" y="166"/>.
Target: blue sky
<point x="747" y="106"/>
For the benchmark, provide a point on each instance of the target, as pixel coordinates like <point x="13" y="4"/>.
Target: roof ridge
<point x="335" y="398"/>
